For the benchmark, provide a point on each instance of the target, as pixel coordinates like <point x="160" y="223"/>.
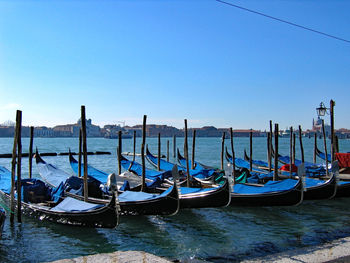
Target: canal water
<point x="211" y="234"/>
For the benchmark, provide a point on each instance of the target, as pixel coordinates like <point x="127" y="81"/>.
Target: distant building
<point x="317" y="127"/>
<point x="43" y="132"/>
<point x="72" y="130"/>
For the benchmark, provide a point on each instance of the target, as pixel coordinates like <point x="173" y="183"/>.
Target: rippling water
<point x="219" y="235"/>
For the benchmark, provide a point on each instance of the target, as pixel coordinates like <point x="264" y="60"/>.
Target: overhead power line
<point x="283" y="21"/>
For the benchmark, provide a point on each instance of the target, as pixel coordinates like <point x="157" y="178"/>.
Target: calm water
<point x="218" y="235"/>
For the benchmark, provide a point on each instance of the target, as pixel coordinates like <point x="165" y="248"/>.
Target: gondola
<point x="322" y="155"/>
<point x="287" y="192"/>
<point x="190" y="197"/>
<point x="342" y="158"/>
<point x="315" y="189"/>
<point x="68" y="211"/>
<point x="258" y="163"/>
<point x="282" y="193"/>
<point x="197" y="165"/>
<point x="202" y="175"/>
<point x="130" y="202"/>
<point x="241" y="163"/>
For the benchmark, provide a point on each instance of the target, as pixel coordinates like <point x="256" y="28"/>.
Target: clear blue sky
<point x="201" y="60"/>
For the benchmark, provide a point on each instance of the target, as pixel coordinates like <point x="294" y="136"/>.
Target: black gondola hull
<point x="285" y="198"/>
<point x="216" y="198"/>
<point x="327" y="190"/>
<point x="105" y="217"/>
<point x="343" y="190"/>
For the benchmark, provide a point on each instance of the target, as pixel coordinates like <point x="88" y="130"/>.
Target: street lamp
<point x="322" y="110"/>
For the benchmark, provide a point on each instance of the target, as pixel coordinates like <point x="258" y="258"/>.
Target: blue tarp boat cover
<point x="343" y="182"/>
<point x="73" y="205"/>
<point x="269" y="187"/>
<point x="52" y="174"/>
<point x="97" y="174"/>
<point x="5" y="180"/>
<point x="245" y="164"/>
<point x="137" y="169"/>
<point x="168" y="166"/>
<point x="258" y="178"/>
<point x="34" y="185"/>
<point x="322" y="155"/>
<point x="129" y="196"/>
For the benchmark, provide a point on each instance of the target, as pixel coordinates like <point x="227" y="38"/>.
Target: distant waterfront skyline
<point x="201" y="60"/>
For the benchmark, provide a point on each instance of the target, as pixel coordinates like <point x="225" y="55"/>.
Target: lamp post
<point x="322" y="111"/>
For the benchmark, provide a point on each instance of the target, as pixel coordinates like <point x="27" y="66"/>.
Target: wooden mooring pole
<point x="193" y="149"/>
<point x="83" y="133"/>
<point x="134" y="147"/>
<point x="30" y="164"/>
<point x="143" y="184"/>
<point x="174" y="146"/>
<point x="80" y="152"/>
<point x="19" y="164"/>
<point x="275" y="174"/>
<point x="233" y="157"/>
<point x="332" y="104"/>
<point x="290" y="151"/>
<point x="315" y="147"/>
<point x="167" y="150"/>
<point x="336" y="144"/>
<point x="293" y="157"/>
<point x="269" y="159"/>
<point x="13" y="170"/>
<point x="222" y="150"/>
<point x="325" y="147"/>
<point x="159" y="153"/>
<point x="119" y="152"/>
<point x="186" y="156"/>
<point x="250" y="150"/>
<point x="301" y="144"/>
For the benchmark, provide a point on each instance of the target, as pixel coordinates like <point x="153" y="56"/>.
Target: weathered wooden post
<point x="293" y="157"/>
<point x="134" y="148"/>
<point x="270" y="146"/>
<point x="332" y="104"/>
<point x="80" y="152"/>
<point x="271" y="131"/>
<point x="250" y="150"/>
<point x="83" y="133"/>
<point x="222" y="150"/>
<point x="275" y="174"/>
<point x="186" y="156"/>
<point x="301" y="145"/>
<point x="193" y="148"/>
<point x="174" y="146"/>
<point x="13" y="170"/>
<point x="19" y="163"/>
<point x="233" y="157"/>
<point x="119" y="152"/>
<point x="336" y="143"/>
<point x="30" y="157"/>
<point x="143" y="185"/>
<point x="290" y="151"/>
<point x="325" y="147"/>
<point x="269" y="159"/>
<point x="315" y="147"/>
<point x="167" y="150"/>
<point x="159" y="153"/>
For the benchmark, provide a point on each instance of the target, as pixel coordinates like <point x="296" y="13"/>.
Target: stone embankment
<point x="337" y="251"/>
